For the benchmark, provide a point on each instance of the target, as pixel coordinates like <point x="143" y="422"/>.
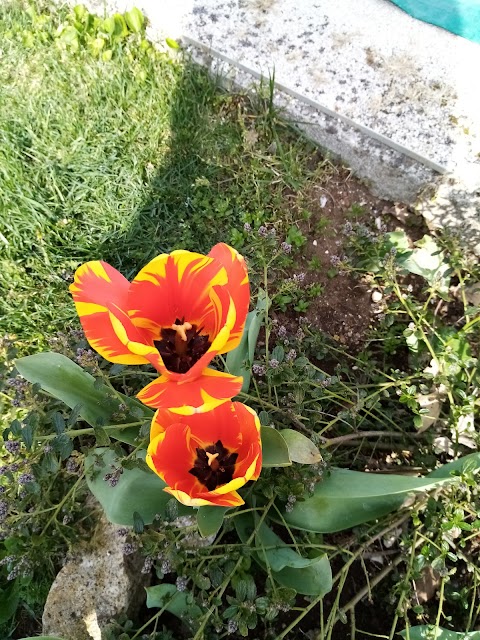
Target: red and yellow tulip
<point x="204" y="458"/>
<point x="180" y="311"/>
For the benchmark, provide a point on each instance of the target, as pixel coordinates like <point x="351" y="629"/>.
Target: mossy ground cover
<point x="112" y="149"/>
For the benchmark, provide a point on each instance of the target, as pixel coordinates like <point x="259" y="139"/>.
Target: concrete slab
<point x="396" y="99"/>
<point x="368" y="61"/>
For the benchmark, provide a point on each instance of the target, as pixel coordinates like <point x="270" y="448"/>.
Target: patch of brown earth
<point x="344" y="308"/>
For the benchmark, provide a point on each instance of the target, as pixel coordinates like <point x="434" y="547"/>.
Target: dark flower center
<point x="181" y="345"/>
<point x="214" y="465"/>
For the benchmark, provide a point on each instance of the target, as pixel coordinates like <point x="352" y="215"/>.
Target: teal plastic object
<point x="458" y="16"/>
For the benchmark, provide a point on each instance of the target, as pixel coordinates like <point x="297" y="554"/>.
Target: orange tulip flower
<point x="204" y="458"/>
<point x="180" y="311"/>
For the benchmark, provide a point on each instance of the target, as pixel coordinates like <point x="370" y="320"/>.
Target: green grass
<point x="119" y="161"/>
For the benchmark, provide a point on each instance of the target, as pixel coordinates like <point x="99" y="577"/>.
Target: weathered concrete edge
<point x="391" y="170"/>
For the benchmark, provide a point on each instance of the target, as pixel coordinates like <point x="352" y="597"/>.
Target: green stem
<point x="470" y="324"/>
<point x="73" y="433"/>
<point x="440" y="607"/>
<point x="359" y="435"/>
<point x="61" y="503"/>
<point x="406" y="580"/>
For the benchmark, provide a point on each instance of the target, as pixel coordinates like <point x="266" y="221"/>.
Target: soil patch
<point x="344" y="309"/>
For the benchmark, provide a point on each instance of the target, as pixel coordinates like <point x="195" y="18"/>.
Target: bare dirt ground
<point x="344" y="309"/>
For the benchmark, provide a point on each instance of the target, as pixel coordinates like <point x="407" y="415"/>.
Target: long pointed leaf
<point x="239" y="360"/>
<point x="461" y="465"/>
<point x="210" y="519"/>
<point x="137" y="491"/>
<point x="429" y="632"/>
<point x="66" y="381"/>
<point x="348" y="498"/>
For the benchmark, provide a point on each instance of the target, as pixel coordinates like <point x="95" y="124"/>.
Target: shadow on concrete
<point x="455" y="208"/>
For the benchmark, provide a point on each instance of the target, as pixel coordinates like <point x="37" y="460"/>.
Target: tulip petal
<point x="250" y="458"/>
<point x="211" y="389"/>
<point x="238" y="286"/>
<point x="176" y="286"/>
<point x="232" y="499"/>
<point x="100" y="294"/>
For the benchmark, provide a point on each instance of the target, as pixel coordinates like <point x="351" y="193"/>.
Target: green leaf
<point x="274" y="448"/>
<point x="300" y="448"/>
<point x="399" y="240"/>
<point x="101" y="437"/>
<point x="470" y="463"/>
<point x="80" y="11"/>
<point x="428" y="261"/>
<point x="50" y="463"/>
<point x="75" y="415"/>
<point x="27" y="435"/>
<point x="134" y="19"/>
<point x="9" y="598"/>
<point x="347" y="498"/>
<point x="278" y="353"/>
<point x="16" y="428"/>
<point x="308" y="576"/>
<point x="58" y="422"/>
<point x="238" y="361"/>
<point x="66" y="381"/>
<point x="108" y="25"/>
<point x="180" y="603"/>
<point x="120" y="30"/>
<point x="137" y="490"/>
<point x="96" y="45"/>
<point x="210" y="519"/>
<point x="138" y="524"/>
<point x="265" y="419"/>
<point x="62" y="445"/>
<point x="173" y="44"/>
<point x="69" y="35"/>
<point x="430" y="632"/>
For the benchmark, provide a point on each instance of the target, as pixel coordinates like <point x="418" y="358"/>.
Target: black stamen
<point x="196" y="346"/>
<point x="219" y="471"/>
